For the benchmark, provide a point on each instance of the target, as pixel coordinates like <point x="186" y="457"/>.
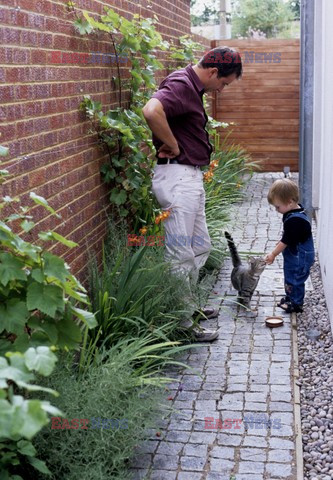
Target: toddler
<point x="296" y="243"/>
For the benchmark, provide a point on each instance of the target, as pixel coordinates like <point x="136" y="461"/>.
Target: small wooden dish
<point x="274" y="322"/>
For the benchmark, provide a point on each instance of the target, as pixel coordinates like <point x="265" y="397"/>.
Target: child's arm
<point x="277" y="250"/>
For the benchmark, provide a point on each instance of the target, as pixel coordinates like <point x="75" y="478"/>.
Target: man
<point x="177" y="118"/>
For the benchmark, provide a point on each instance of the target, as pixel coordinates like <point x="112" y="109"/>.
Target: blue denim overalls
<point x="296" y="265"/>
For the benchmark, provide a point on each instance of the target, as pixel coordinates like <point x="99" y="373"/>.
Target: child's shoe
<point x="289" y="307"/>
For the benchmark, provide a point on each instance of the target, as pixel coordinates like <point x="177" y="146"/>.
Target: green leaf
<point x="13" y="315"/>
<point x="111" y="17"/>
<point x="29" y="417"/>
<point x="65" y="241"/>
<point x="83" y="26"/>
<point x="3" y="174"/>
<point x="46" y="298"/>
<point x="118" y="196"/>
<point x="47" y="236"/>
<point x="55" y="267"/>
<point x="69" y="333"/>
<point x="11" y="268"/>
<point x="41" y="201"/>
<point x="46" y="327"/>
<point x="17" y="370"/>
<point x="37" y="275"/>
<point x="39" y="465"/>
<point x="26" y="248"/>
<point x="41" y="359"/>
<point x="118" y="162"/>
<point x="123" y="212"/>
<point x="81" y="297"/>
<point x="87" y="317"/>
<point x="26" y="448"/>
<point x="3" y="151"/>
<point x="8" y="199"/>
<point x="132" y="43"/>
<point x="95" y="24"/>
<point x="27" y="226"/>
<point x="21" y="344"/>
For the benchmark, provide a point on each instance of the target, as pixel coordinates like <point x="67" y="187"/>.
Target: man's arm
<point x="155" y="116"/>
<point x="277" y="250"/>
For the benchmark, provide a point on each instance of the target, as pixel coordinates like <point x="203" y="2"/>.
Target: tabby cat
<point x="244" y="278"/>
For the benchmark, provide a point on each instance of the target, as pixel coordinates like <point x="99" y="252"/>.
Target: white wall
<point x="323" y="143"/>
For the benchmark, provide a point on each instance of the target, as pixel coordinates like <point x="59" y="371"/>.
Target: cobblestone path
<point x="244" y="375"/>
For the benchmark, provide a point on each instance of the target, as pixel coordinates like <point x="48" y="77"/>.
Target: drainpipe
<point x="306" y="105"/>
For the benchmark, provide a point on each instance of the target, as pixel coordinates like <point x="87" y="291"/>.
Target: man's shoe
<point x="205" y="335"/>
<point x="206" y="313"/>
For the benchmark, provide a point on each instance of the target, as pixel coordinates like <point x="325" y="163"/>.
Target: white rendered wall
<point x="323" y="143"/>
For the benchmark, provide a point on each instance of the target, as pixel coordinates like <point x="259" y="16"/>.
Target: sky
<point x="200" y="5"/>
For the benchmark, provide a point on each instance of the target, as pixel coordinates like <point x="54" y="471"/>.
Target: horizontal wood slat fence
<point x="265" y="102"/>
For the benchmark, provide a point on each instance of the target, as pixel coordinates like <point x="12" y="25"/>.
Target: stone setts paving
<point x="245" y="376"/>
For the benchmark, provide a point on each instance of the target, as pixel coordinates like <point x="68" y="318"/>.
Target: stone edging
<point x="297" y="403"/>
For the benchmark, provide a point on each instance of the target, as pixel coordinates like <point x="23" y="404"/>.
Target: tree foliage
<point x="268" y="16"/>
<point x="209" y="15"/>
<point x="295" y="6"/>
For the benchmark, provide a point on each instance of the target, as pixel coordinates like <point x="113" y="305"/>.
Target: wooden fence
<point x="265" y="102"/>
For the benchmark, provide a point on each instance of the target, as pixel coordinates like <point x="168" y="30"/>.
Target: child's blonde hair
<point x="284" y="190"/>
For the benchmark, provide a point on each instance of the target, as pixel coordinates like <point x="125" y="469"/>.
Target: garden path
<point x="248" y="373"/>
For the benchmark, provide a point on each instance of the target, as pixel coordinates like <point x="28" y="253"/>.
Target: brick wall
<point x="51" y="149"/>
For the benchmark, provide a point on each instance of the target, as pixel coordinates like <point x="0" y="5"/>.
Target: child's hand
<point x="269" y="259"/>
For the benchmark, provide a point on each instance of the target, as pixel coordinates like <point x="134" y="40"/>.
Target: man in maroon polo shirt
<point x="177" y="118"/>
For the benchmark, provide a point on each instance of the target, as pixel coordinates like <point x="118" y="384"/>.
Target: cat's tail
<point x="236" y="261"/>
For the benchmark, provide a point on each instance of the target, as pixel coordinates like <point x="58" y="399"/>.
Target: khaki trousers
<point x="180" y="189"/>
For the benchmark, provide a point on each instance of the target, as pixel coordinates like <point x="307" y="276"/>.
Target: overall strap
<point x="297" y="214"/>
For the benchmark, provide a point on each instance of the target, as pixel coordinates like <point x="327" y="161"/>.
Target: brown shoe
<point x="206" y="313"/>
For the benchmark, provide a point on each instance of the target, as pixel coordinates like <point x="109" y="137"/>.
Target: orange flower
<point x="143" y="230"/>
<point x="162" y="216"/>
<point x="208" y="176"/>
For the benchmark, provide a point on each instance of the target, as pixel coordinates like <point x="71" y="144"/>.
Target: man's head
<point x="218" y="68"/>
<point x="225" y="59"/>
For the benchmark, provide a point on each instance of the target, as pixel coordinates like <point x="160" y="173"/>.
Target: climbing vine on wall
<point x="123" y="129"/>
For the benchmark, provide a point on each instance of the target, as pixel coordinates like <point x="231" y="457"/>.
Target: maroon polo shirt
<point x="181" y="96"/>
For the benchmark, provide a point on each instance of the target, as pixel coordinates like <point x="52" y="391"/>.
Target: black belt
<point x="164" y="161"/>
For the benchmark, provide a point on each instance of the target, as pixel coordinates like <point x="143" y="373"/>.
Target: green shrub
<point x="37" y="296"/>
<point x="134" y="293"/>
<point x="108" y="390"/>
<point x="233" y="170"/>
<point x="37" y="289"/>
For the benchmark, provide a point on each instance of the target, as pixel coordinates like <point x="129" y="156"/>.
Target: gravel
<point x="316" y="379"/>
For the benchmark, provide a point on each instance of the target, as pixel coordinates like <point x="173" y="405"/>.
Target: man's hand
<point x="269" y="259"/>
<point x="168" y="152"/>
<point x="155" y="116"/>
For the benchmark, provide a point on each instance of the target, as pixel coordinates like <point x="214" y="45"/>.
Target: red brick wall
<point x="51" y="149"/>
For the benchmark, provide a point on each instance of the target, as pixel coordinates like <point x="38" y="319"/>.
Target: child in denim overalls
<point x="296" y="243"/>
